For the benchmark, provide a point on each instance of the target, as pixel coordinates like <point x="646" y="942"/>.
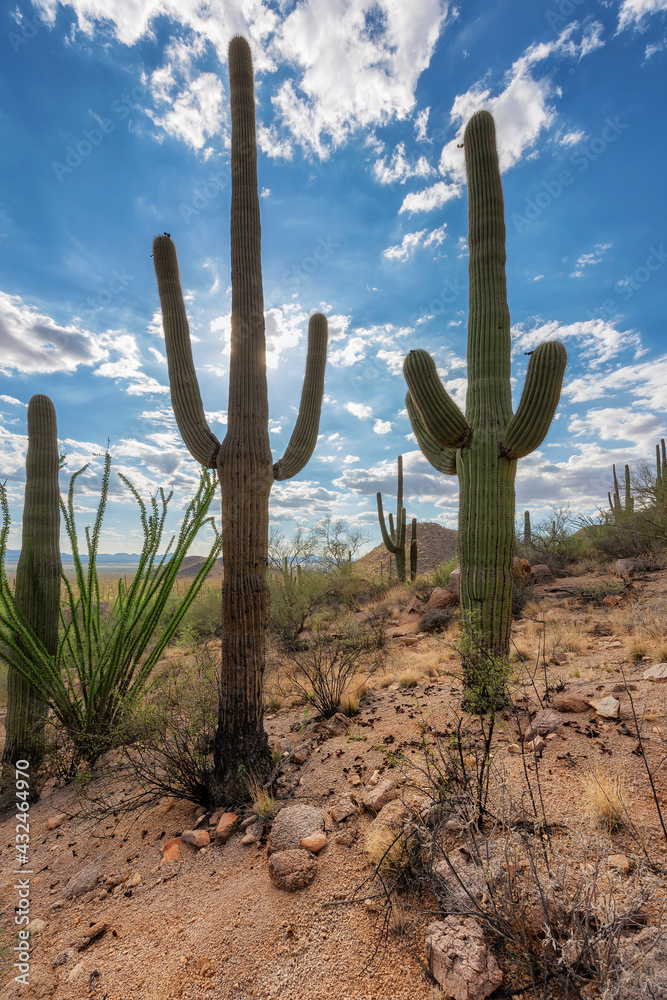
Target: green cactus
<point x="661" y="474"/>
<point x="394" y="539"/>
<point x="38" y="575"/>
<point x="619" y="508"/>
<point x="527" y="536"/>
<point x="243" y="460"/>
<point x="413" y="549"/>
<point x="483" y="446"/>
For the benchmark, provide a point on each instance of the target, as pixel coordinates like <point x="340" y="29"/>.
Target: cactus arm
<point x="185" y="396"/>
<point x="544" y="379"/>
<point x="441" y="458"/>
<point x="413" y="549"/>
<point x="629" y="503"/>
<point x="304" y="436"/>
<point x="439" y="413"/>
<point x="527" y="538"/>
<point x="387" y="536"/>
<point x="400" y="532"/>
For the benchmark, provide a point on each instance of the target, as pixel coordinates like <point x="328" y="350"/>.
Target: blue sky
<point x="114" y="122"/>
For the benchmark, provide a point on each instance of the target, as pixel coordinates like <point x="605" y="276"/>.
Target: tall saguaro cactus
<point x="38" y="575"/>
<point x="243" y="460"/>
<point x="483" y="446"/>
<point x="394" y="539"/>
<point x="618" y="507"/>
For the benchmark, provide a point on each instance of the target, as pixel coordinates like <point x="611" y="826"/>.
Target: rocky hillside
<point x="435" y="545"/>
<point x="190" y="568"/>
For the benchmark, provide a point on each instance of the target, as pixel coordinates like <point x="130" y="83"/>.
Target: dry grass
<point x="409" y="679"/>
<point x="263" y="802"/>
<point x="398" y="920"/>
<point x="388" y="850"/>
<point x="605" y="799"/>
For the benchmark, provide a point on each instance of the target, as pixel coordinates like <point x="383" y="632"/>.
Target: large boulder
<point x="291" y="825"/>
<point x="292" y="870"/>
<point x="541" y="574"/>
<point x="441" y="598"/>
<point x="460" y="960"/>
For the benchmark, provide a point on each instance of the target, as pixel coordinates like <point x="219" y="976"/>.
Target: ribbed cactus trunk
<point x="483" y="446"/>
<point x="243" y="461"/>
<point x="527" y="535"/>
<point x="38" y="576"/>
<point x="617" y="505"/>
<point x="413" y="549"/>
<point x="394" y="539"/>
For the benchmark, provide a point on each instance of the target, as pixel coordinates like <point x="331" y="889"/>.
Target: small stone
<point x="354" y="779"/>
<point x="378" y="796"/>
<point x="441" y="598"/>
<point x="570" y="703"/>
<point x="344" y="807"/>
<point x="83" y="881"/>
<point x="292" y="870"/>
<point x="514" y="748"/>
<point x="133" y="881"/>
<point x="248" y="821"/>
<point x="611" y="600"/>
<point x="546" y="721"/>
<point x="57" y="821"/>
<point x="345" y="838"/>
<point x="658" y="672"/>
<point x="227" y="825"/>
<point x="458" y="958"/>
<point x="97" y="930"/>
<point x="198" y="838"/>
<point x="249" y="838"/>
<point x="620" y="863"/>
<point x="374" y="778"/>
<point x="537" y="745"/>
<point x="337" y="725"/>
<point x="291" y="825"/>
<point x="36" y="925"/>
<point x="171" y="851"/>
<point x="63" y="957"/>
<point x="301" y="755"/>
<point x="608" y="707"/>
<point x="314" y="843"/>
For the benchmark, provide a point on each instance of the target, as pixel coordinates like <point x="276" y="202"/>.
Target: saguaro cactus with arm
<point x="243" y="460"/>
<point x="38" y="575"/>
<point x="394" y="539"/>
<point x="483" y="446"/>
<point x="618" y="508"/>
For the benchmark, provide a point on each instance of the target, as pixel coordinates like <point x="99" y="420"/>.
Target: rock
<point x="36" y="925"/>
<point x="292" y="870"/>
<point x="620" y="863"/>
<point x="537" y="745"/>
<point x="462" y="877"/>
<point x="301" y="755"/>
<point x="658" y="672"/>
<point x="97" y="930"/>
<point x="570" y="703"/>
<point x="314" y="843"/>
<point x="214" y="818"/>
<point x="627" y="567"/>
<point x="171" y="850"/>
<point x="514" y="748"/>
<point x="249" y="838"/>
<point x="542" y="574"/>
<point x="459" y="959"/>
<point x="392" y="816"/>
<point x="57" y="821"/>
<point x="248" y="821"/>
<point x="611" y="600"/>
<point x="63" y="957"/>
<point x="608" y="708"/>
<point x="375" y="798"/>
<point x="374" y="778"/>
<point x="291" y="825"/>
<point x="546" y="721"/>
<point x="227" y="825"/>
<point x="83" y="881"/>
<point x="344" y="808"/>
<point x="441" y="598"/>
<point x="455" y="581"/>
<point x="521" y="570"/>
<point x="337" y="725"/>
<point x="345" y="837"/>
<point x="198" y="838"/>
<point x="415" y="607"/>
<point x="354" y="779"/>
<point x="133" y="881"/>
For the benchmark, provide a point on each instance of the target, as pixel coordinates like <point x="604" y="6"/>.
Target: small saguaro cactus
<point x="483" y="446"/>
<point x="661" y="474"/>
<point x="38" y="575"/>
<point x="618" y="507"/>
<point x="394" y="539"/>
<point x="527" y="536"/>
<point x="413" y="549"/>
<point x="243" y="459"/>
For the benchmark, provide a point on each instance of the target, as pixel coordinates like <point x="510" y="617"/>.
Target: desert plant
<point x="243" y="460"/>
<point x="483" y="447"/>
<point x="619" y="507"/>
<point x="323" y="669"/>
<point x="394" y="539"/>
<point x="103" y="662"/>
<point x="437" y="619"/>
<point x="526" y="528"/>
<point x="33" y="612"/>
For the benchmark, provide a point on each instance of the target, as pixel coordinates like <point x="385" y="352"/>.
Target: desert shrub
<point x="437" y="620"/>
<point x="327" y="661"/>
<point x="595" y="593"/>
<point x="522" y="592"/>
<point x="202" y="620"/>
<point x="293" y="600"/>
<point x="441" y="574"/>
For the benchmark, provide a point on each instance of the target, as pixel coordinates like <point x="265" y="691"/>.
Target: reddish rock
<point x="546" y="721"/>
<point x="441" y="598"/>
<point x="292" y="870"/>
<point x="171" y="850"/>
<point x="227" y="825"/>
<point x="198" y="838"/>
<point x="521" y="570"/>
<point x="542" y="574"/>
<point x="611" y="600"/>
<point x="376" y="797"/>
<point x="56" y="821"/>
<point x="314" y="843"/>
<point x="570" y="703"/>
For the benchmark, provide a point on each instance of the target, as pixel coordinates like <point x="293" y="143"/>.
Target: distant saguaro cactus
<point x="661" y="474"/>
<point x="38" y="575"/>
<point x="483" y="446"/>
<point x="618" y="507"/>
<point x="527" y="536"/>
<point x="243" y="460"/>
<point x="394" y="539"/>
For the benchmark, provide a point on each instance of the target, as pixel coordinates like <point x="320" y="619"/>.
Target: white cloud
<point x="12" y="401"/>
<point x="571" y="138"/>
<point x="349" y="459"/>
<point x="30" y="341"/>
<point x="361" y="410"/>
<point x="597" y="340"/>
<point x="586" y="259"/>
<point x="400" y="168"/>
<point x="639" y="428"/>
<point x="430" y="198"/>
<point x="633" y="13"/>
<point x="382" y="427"/>
<point x="646" y="381"/>
<point x="421" y="123"/>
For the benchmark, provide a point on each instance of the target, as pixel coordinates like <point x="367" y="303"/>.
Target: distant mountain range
<point x="118" y="558"/>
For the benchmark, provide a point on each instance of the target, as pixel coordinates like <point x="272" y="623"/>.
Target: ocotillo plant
<point x="38" y="576"/>
<point x="483" y="446"/>
<point x="243" y="460"/>
<point x="527" y="537"/>
<point x="618" y="508"/>
<point x="394" y="539"/>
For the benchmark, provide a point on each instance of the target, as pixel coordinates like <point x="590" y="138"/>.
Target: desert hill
<point x="435" y="545"/>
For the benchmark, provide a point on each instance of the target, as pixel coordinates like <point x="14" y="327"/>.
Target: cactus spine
<point x="527" y="536"/>
<point x="483" y="446"/>
<point x="38" y="576"/>
<point x="243" y="460"/>
<point x="394" y="539"/>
